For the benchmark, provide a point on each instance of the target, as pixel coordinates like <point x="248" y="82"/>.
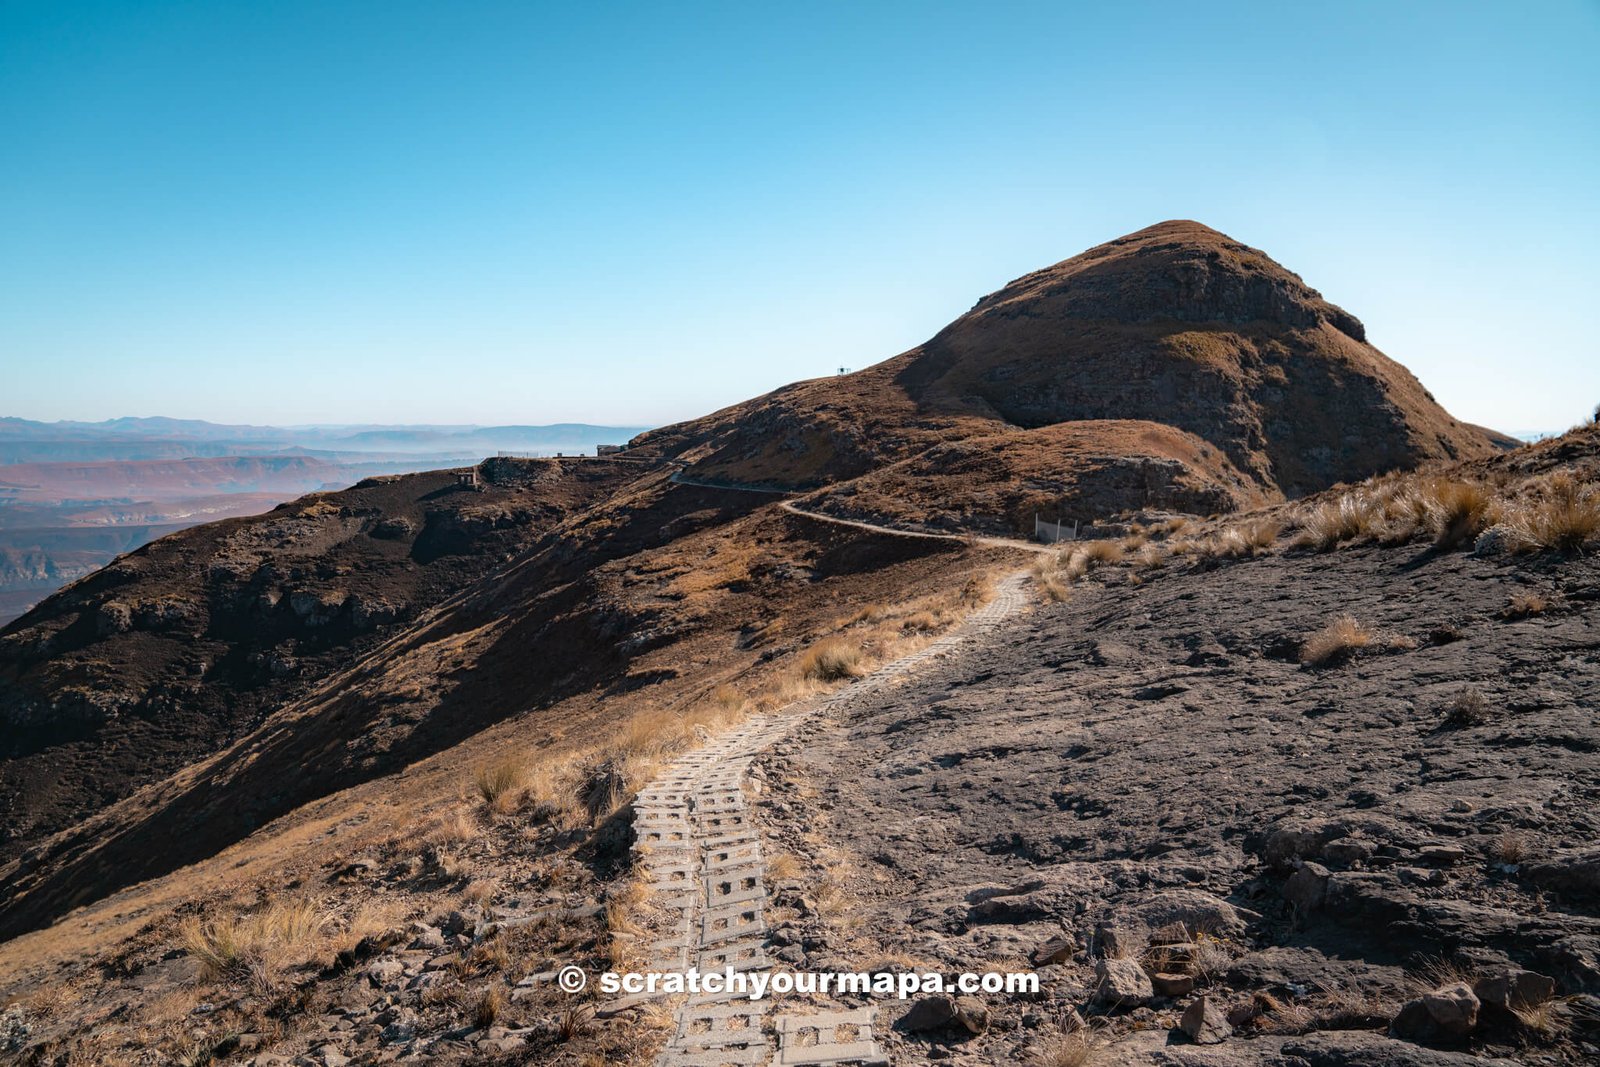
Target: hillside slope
<point x="181" y="646"/>
<point x="1176" y="324"/>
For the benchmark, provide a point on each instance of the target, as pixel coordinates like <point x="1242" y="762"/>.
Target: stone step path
<point x="699" y="849"/>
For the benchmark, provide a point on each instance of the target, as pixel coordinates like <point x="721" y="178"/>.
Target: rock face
<point x="1175" y="324"/>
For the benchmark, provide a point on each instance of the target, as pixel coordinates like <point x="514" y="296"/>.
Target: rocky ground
<point x="1145" y="794"/>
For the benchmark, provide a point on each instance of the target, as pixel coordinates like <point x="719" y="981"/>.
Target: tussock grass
<point x="833" y="660"/>
<point x="1069" y="1050"/>
<point x="1525" y="603"/>
<point x="1562" y="515"/>
<point x="1457" y="510"/>
<point x="255" y="946"/>
<point x="497" y="783"/>
<point x="1335" y="641"/>
<point x="490" y="1006"/>
<point x="1101" y="552"/>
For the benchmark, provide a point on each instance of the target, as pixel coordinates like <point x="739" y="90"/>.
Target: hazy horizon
<point x="345" y="213"/>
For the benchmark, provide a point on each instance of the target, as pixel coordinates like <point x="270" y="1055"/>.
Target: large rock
<point x="929" y="1013"/>
<point x="1121" y="984"/>
<point x="1307" y="887"/>
<point x="1514" y="990"/>
<point x="1449" y="1013"/>
<point x="1205" y="1022"/>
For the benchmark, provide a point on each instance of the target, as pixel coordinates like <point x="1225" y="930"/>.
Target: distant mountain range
<point x="73" y="495"/>
<point x="27" y="441"/>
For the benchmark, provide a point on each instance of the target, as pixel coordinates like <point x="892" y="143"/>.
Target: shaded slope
<point x="180" y="647"/>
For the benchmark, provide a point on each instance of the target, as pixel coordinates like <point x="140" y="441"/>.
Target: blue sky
<point x="523" y="212"/>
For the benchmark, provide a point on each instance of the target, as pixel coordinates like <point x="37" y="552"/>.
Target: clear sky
<point x="523" y="212"/>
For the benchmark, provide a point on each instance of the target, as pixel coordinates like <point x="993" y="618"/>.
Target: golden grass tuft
<point x="254" y="946"/>
<point x="490" y="1006"/>
<point x="1334" y="641"/>
<point x="1564" y="516"/>
<point x="1525" y="603"/>
<point x="1101" y="552"/>
<point x="833" y="660"/>
<point x="1068" y="1050"/>
<point x="497" y="783"/>
<point x="1457" y="510"/>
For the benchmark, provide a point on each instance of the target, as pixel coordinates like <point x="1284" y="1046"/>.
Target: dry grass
<point x="833" y="660"/>
<point x="783" y="867"/>
<point x="255" y="946"/>
<point x="497" y="783"/>
<point x="1101" y="552"/>
<point x="574" y="1022"/>
<point x="1253" y="537"/>
<point x="1457" y="510"/>
<point x="1525" y="603"/>
<point x="1068" y="1050"/>
<point x="1508" y="849"/>
<point x="490" y="1006"/>
<point x="1332" y="522"/>
<point x="1561" y="515"/>
<point x="1334" y="641"/>
<point x="1054" y="589"/>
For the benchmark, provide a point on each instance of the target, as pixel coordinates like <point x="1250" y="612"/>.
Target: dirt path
<point x="795" y="509"/>
<point x="699" y="850"/>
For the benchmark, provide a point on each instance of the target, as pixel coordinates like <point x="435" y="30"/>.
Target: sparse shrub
<point x="1334" y="641"/>
<point x="833" y="660"/>
<point x="1524" y="603"/>
<point x="1467" y="708"/>
<point x="1054" y="588"/>
<point x="1069" y="1050"/>
<point x="491" y="1005"/>
<point x="497" y="783"/>
<point x="1508" y="849"/>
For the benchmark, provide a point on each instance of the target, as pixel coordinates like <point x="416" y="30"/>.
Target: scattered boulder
<point x="1577" y="872"/>
<point x="971" y="1014"/>
<point x="1449" y="1013"/>
<point x="1442" y="855"/>
<point x="1172" y="985"/>
<point x="1205" y="1022"/>
<point x="1056" y="950"/>
<point x="1121" y="984"/>
<point x="1514" y="990"/>
<point x="929" y="1013"/>
<point x="1307" y="887"/>
<point x="1111" y="943"/>
<point x="382" y="972"/>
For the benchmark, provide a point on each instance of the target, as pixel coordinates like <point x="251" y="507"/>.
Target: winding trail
<point x="860" y="524"/>
<point x="699" y="849"/>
